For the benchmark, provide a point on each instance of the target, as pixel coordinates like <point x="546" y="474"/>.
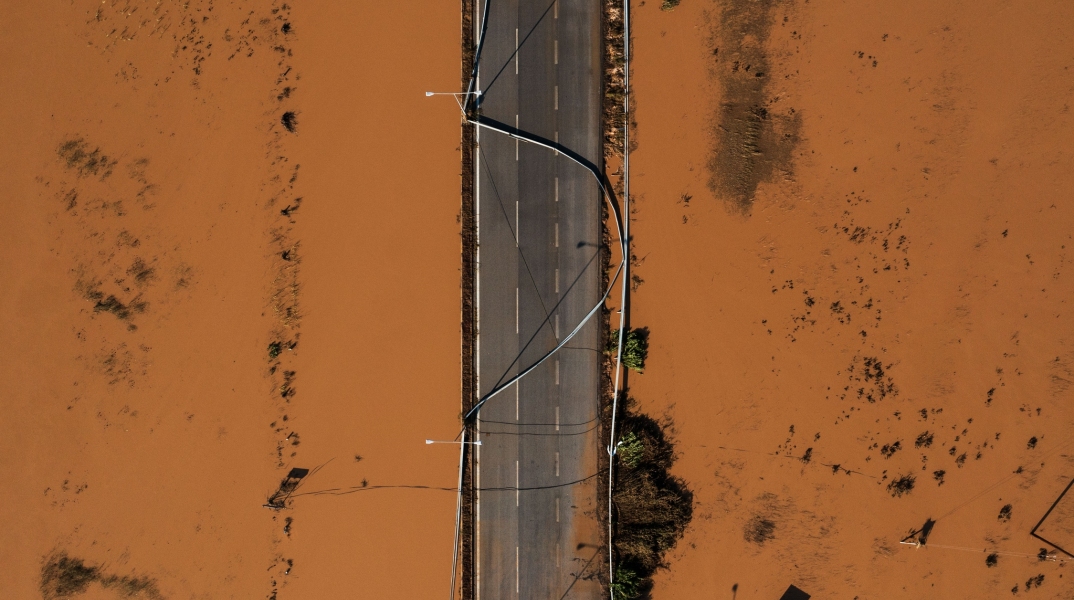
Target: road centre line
<point x="516" y="310"/>
<point x="555" y="102"/>
<point x="557" y="235"/>
<point x="516" y="569"/>
<point x="557" y="376"/>
<point x="557" y="188"/>
<point x="557" y="464"/>
<point x="516" y="148"/>
<point x="555" y="9"/>
<point x="517" y="385"/>
<point x="555" y="51"/>
<point x="517" y="491"/>
<point x="557" y="521"/>
<point x="557" y="416"/>
<point x="557" y="290"/>
<point x="516" y="50"/>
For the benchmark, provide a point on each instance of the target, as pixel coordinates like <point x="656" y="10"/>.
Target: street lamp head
<point x="429" y="93"/>
<point x="428" y="441"/>
<point x="477" y="443"/>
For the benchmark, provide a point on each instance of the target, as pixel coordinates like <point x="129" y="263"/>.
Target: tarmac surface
<point x="538" y="276"/>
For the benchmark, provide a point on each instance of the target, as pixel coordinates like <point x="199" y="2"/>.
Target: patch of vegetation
<point x="635" y="347"/>
<point x="889" y="449"/>
<point x="90" y="290"/>
<point x="924" y="440"/>
<point x="78" y="157"/>
<point x="122" y="311"/>
<point x="627" y="584"/>
<point x="653" y="508"/>
<point x="903" y="485"/>
<point x="1005" y="513"/>
<point x="142" y="273"/>
<point x="631" y="450"/>
<point x="64" y="577"/>
<point x="991" y="560"/>
<point x="132" y="586"/>
<point x="669" y="4"/>
<point x="290" y="121"/>
<point x="274" y="349"/>
<point x="755" y="142"/>
<point x="1034" y="581"/>
<point x="759" y="530"/>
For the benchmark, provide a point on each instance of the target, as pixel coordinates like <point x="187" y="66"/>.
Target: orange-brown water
<point x="147" y="165"/>
<point x="881" y="253"/>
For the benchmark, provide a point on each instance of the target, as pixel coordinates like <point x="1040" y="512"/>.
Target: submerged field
<point x="207" y="209"/>
<point x="853" y="239"/>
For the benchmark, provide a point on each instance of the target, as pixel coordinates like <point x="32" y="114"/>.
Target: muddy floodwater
<point x="853" y="232"/>
<point x="231" y="249"/>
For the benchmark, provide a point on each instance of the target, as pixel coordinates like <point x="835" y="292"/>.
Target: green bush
<point x="627" y="584"/>
<point x="669" y="4"/>
<point x="631" y="449"/>
<point x="274" y="350"/>
<point x="635" y="347"/>
<point x="652" y="507"/>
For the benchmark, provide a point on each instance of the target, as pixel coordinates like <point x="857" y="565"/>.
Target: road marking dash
<point x="557" y="521"/>
<point x="557" y="235"/>
<point x="557" y="464"/>
<point x="557" y="374"/>
<point x="516" y="569"/>
<point x="516" y="51"/>
<point x="555" y="102"/>
<point x="517" y="491"/>
<point x="516" y="310"/>
<point x="555" y="50"/>
<point x="557" y="408"/>
<point x="557" y="289"/>
<point x="557" y="189"/>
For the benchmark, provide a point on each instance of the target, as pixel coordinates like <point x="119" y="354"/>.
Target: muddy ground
<point x="852" y="225"/>
<point x="227" y="256"/>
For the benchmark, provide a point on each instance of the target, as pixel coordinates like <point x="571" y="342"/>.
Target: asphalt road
<point x="538" y="275"/>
